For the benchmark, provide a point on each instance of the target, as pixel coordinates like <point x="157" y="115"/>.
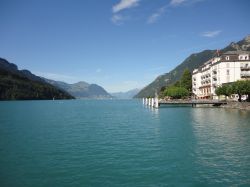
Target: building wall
<point x="196" y="83"/>
<point x="218" y="71"/>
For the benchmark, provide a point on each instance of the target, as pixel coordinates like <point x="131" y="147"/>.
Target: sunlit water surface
<point x="121" y="143"/>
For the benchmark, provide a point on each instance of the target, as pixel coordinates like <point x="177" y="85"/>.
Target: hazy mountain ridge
<point x="192" y="62"/>
<point x="81" y="89"/>
<point x="22" y="84"/>
<point x="126" y="95"/>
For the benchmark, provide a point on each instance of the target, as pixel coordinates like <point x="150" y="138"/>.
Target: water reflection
<point x="223" y="141"/>
<point x="153" y="111"/>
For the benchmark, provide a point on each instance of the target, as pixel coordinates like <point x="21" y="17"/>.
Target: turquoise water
<point x="121" y="143"/>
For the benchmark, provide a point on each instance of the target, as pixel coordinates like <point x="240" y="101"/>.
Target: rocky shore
<point x="237" y="105"/>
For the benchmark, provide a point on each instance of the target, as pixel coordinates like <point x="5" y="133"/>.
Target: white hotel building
<point x="229" y="67"/>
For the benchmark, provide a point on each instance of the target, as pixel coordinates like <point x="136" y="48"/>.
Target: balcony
<point x="245" y="67"/>
<point x="245" y="74"/>
<point x="214" y="82"/>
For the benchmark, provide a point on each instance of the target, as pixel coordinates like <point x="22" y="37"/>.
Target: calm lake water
<point x="121" y="143"/>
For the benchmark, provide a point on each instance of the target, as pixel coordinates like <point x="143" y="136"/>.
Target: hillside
<point x="23" y="85"/>
<point x="192" y="62"/>
<point x="82" y="89"/>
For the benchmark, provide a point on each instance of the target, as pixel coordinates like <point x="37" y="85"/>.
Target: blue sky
<point x="118" y="44"/>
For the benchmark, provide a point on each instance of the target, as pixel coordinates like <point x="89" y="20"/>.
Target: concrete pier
<point x="156" y="105"/>
<point x="152" y="102"/>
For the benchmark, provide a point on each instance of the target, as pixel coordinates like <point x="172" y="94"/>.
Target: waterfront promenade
<point x="155" y="102"/>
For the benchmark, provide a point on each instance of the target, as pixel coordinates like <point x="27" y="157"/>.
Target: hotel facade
<point x="229" y="67"/>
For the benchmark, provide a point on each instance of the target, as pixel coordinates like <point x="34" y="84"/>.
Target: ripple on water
<point x="114" y="143"/>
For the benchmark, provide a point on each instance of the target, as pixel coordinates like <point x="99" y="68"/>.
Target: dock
<point x="156" y="103"/>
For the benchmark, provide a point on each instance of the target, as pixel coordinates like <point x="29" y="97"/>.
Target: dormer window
<point x="241" y="57"/>
<point x="227" y="57"/>
<point x="246" y="57"/>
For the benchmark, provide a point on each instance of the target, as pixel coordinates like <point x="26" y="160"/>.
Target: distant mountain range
<point x="23" y="85"/>
<point x="81" y="89"/>
<point x="126" y="95"/>
<point x="193" y="61"/>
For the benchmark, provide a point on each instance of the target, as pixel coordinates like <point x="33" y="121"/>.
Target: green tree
<point x="176" y="92"/>
<point x="241" y="87"/>
<point x="225" y="89"/>
<point x="248" y="90"/>
<point x="219" y="91"/>
<point x="186" y="80"/>
<point x="177" y="84"/>
<point x="161" y="94"/>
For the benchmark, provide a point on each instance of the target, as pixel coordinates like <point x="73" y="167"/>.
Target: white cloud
<point x="125" y="4"/>
<point x="155" y="16"/>
<point x="176" y="2"/>
<point x="173" y="3"/>
<point x="182" y="2"/>
<point x="117" y="19"/>
<point x="211" y="34"/>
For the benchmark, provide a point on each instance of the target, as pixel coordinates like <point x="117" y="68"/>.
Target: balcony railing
<point x="245" y="74"/>
<point x="245" y="67"/>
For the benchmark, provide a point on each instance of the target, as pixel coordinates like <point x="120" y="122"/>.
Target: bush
<point x="176" y="92"/>
<point x="241" y="87"/>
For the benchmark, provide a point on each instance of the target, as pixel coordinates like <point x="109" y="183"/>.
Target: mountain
<point x="81" y="89"/>
<point x="193" y="61"/>
<point x="23" y="85"/>
<point x="126" y="95"/>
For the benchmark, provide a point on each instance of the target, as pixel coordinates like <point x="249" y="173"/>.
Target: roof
<point x="236" y="52"/>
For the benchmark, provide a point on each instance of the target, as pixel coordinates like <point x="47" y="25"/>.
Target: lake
<point x="121" y="143"/>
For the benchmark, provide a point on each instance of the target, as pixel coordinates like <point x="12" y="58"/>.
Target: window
<point x="227" y="57"/>
<point x="241" y="57"/>
<point x="246" y="57"/>
<point x="228" y="71"/>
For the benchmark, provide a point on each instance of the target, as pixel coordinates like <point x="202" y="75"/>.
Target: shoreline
<point x="237" y="105"/>
<point x="230" y="104"/>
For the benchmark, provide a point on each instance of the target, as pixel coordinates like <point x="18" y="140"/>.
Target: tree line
<point x="240" y="87"/>
<point x="180" y="89"/>
<point x="183" y="88"/>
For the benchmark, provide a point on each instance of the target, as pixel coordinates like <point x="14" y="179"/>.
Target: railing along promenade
<point x="155" y="102"/>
